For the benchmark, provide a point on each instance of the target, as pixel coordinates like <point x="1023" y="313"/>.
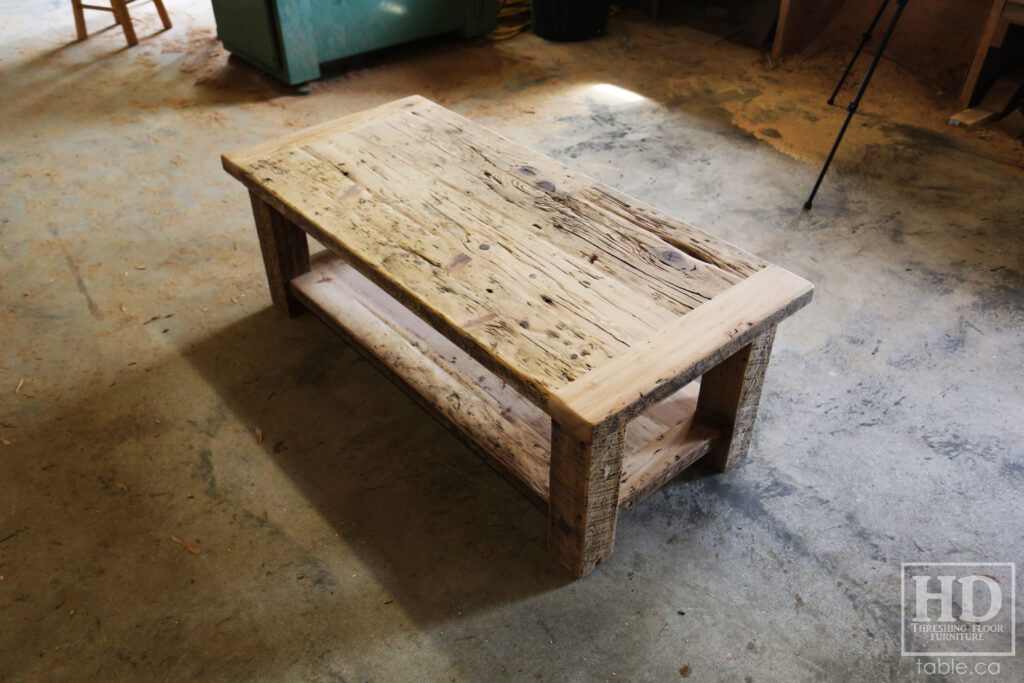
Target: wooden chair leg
<point x="76" y="7"/>
<point x="285" y="254"/>
<point x="123" y="18"/>
<point x="164" y="17"/>
<point x="729" y="396"/>
<point x="584" y="495"/>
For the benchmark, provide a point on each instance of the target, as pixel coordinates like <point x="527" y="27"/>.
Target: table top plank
<point x="237" y="160"/>
<point x="511" y="330"/>
<point x="426" y="199"/>
<point x="597" y="200"/>
<point x="540" y="273"/>
<point x="512" y="200"/>
<point x="657" y="367"/>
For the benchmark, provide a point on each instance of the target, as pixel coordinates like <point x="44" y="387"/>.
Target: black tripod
<point x="851" y="109"/>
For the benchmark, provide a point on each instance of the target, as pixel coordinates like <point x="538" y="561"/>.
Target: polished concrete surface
<point x="146" y="533"/>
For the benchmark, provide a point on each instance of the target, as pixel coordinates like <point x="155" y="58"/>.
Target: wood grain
<point x="541" y="274"/>
<point x="648" y="467"/>
<point x="650" y="371"/>
<point x="583" y="508"/>
<point x="238" y="162"/>
<point x="597" y="200"/>
<point x="510" y="432"/>
<point x="553" y="323"/>
<point x="463" y="395"/>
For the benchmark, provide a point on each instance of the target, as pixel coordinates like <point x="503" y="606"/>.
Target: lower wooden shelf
<point x="512" y="433"/>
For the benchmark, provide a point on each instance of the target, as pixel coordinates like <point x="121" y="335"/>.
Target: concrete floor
<point x="358" y="540"/>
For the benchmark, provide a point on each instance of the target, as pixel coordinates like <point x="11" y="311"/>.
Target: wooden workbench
<point x="556" y="325"/>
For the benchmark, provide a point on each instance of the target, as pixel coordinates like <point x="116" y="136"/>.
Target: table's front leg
<point x="729" y="395"/>
<point x="584" y="495"/>
<point x="285" y="253"/>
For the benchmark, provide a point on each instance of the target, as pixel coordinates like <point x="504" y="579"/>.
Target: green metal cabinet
<point x="290" y="39"/>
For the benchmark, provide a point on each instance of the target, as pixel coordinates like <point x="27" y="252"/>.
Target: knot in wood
<point x="677" y="259"/>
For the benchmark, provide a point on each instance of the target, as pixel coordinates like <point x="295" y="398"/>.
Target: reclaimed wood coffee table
<point x="587" y="345"/>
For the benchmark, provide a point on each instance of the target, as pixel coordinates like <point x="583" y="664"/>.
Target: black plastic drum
<point x="567" y="20"/>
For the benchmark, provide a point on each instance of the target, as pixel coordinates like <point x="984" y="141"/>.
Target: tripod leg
<point x="852" y="108"/>
<point x="865" y="39"/>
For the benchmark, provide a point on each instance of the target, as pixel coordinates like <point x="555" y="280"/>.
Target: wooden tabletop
<point x="542" y="274"/>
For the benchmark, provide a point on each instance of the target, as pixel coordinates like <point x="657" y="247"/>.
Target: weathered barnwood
<point x="729" y="395"/>
<point x="556" y="325"/>
<point x="583" y="508"/>
<point x="651" y="370"/>
<point x="459" y="392"/>
<point x="285" y="253"/>
<point x="539" y="273"/>
<point x="645" y="468"/>
<point x="513" y="434"/>
<point x="237" y="161"/>
<point x="600" y="201"/>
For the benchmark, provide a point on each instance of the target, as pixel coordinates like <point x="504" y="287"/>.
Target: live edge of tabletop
<point x="587" y="345"/>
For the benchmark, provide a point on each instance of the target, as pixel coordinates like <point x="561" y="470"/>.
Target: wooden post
<point x="165" y="19"/>
<point x="76" y="7"/>
<point x="285" y="253"/>
<point x="121" y="14"/>
<point x="584" y="495"/>
<point x="729" y="396"/>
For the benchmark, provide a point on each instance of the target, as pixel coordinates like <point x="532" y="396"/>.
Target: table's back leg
<point x="584" y="495"/>
<point x="285" y="253"/>
<point x="729" y="396"/>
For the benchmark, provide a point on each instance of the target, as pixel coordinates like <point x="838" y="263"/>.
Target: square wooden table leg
<point x="584" y="495"/>
<point x="729" y="395"/>
<point x="285" y="253"/>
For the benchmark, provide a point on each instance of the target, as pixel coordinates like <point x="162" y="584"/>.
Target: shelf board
<point x="513" y="434"/>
